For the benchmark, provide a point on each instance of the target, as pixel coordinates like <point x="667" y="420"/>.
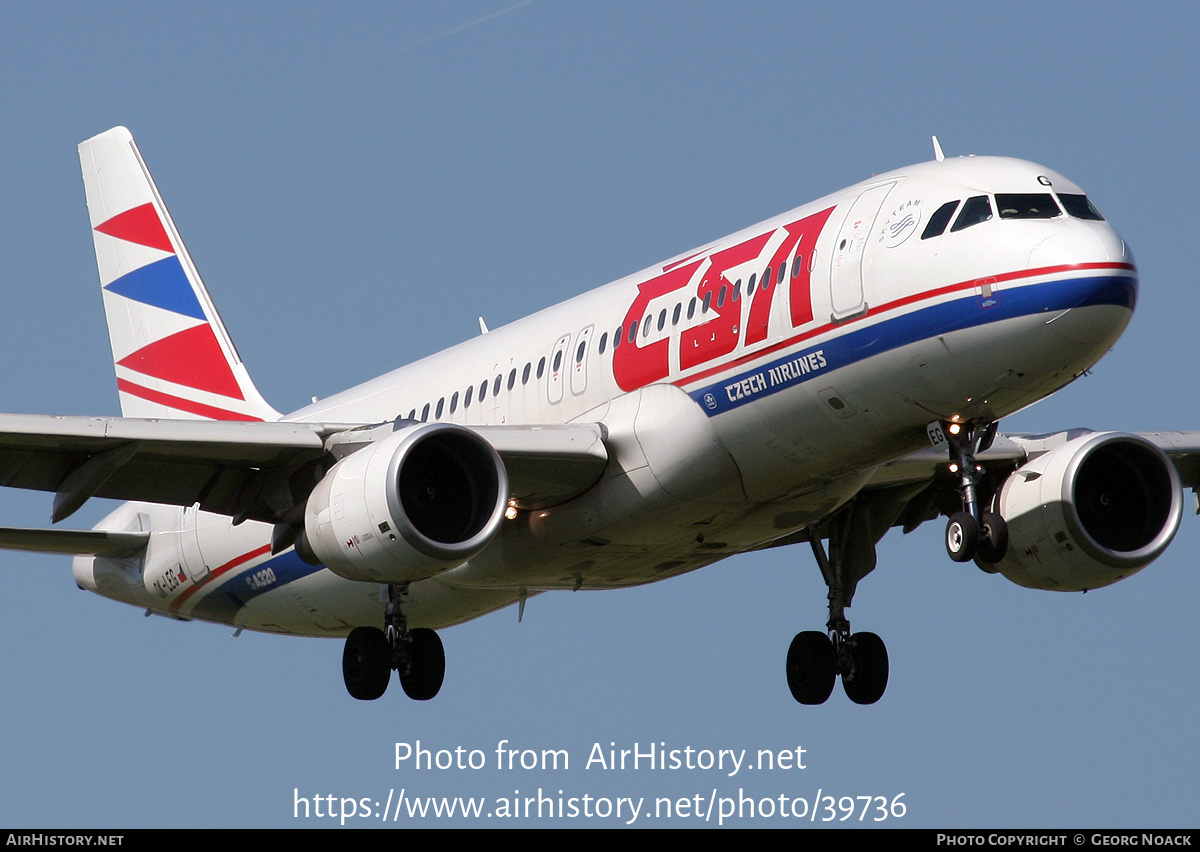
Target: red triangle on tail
<point x="139" y="225"/>
<point x="192" y="357"/>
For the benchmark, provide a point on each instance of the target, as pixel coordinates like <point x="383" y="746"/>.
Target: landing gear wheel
<point x="993" y="538"/>
<point x="422" y="677"/>
<point x="962" y="537"/>
<point x="366" y="663"/>
<point x="868" y="675"/>
<point x="811" y="667"/>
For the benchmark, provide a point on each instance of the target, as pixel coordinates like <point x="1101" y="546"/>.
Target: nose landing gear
<point x="972" y="533"/>
<point x="371" y="654"/>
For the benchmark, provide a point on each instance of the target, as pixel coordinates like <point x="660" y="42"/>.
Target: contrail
<point x="422" y="42"/>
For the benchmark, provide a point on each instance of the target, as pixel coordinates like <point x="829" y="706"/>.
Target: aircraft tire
<point x="993" y="538"/>
<point x="367" y="663"/>
<point x="811" y="667"/>
<point x="962" y="537"/>
<point x="868" y="680"/>
<point x="427" y="665"/>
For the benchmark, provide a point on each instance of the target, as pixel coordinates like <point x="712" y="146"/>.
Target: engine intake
<point x="423" y="500"/>
<point x="1091" y="512"/>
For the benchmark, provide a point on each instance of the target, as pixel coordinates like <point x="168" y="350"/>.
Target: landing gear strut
<point x="972" y="533"/>
<point x="815" y="659"/>
<point x="371" y="654"/>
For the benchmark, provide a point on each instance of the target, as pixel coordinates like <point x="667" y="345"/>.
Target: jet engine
<point x="1088" y="513"/>
<point x="423" y="500"/>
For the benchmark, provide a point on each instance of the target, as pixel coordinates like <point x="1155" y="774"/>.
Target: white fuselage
<point x="734" y="414"/>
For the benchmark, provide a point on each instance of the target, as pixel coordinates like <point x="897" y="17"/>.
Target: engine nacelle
<point x="1088" y="513"/>
<point x="423" y="500"/>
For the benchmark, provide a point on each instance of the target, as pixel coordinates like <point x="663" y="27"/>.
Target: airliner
<point x="813" y="380"/>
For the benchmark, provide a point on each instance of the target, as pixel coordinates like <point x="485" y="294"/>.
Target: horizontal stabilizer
<point x="115" y="545"/>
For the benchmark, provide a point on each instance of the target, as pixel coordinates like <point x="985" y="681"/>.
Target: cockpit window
<point x="1080" y="206"/>
<point x="939" y="220"/>
<point x="1027" y="205"/>
<point x="976" y="210"/>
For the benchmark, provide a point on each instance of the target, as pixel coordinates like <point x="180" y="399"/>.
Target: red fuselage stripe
<point x="899" y="303"/>
<point x="228" y="566"/>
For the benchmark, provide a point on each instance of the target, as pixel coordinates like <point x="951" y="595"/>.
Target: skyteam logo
<point x="900" y="224"/>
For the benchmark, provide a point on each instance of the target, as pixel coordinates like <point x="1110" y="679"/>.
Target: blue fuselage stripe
<point x="802" y="364"/>
<point x="223" y="602"/>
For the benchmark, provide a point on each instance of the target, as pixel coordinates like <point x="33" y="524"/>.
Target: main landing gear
<point x="815" y="659"/>
<point x="972" y="533"/>
<point x="371" y="654"/>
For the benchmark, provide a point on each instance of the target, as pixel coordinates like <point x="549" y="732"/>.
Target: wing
<point x="253" y="471"/>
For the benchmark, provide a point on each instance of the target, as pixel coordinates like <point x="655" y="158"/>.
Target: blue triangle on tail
<point x="162" y="284"/>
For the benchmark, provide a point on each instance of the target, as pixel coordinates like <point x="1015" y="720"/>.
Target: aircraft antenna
<point x="937" y="150"/>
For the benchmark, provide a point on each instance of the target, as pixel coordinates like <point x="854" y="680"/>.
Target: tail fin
<point x="172" y="355"/>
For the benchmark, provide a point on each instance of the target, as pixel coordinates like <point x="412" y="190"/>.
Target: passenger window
<point x="737" y="290"/>
<point x="470" y="393"/>
<point x="662" y="321"/>
<point x="483" y="390"/>
<point x="437" y="415"/>
<point x="1027" y="205"/>
<point x="974" y="211"/>
<point x="692" y="307"/>
<point x="496" y="385"/>
<point x="557" y="360"/>
<point x="782" y="273"/>
<point x="528" y="367"/>
<point x="454" y="402"/>
<point x="707" y="302"/>
<point x="412" y="415"/>
<point x="675" y="316"/>
<point x="425" y="413"/>
<point x="750" y="284"/>
<point x="1080" y="206"/>
<point x="796" y="265"/>
<point x="542" y="365"/>
<point x="939" y="220"/>
<point x="721" y="296"/>
<point x="766" y="279"/>
<point x="646" y="326"/>
<point x="579" y="352"/>
<point x="512" y="378"/>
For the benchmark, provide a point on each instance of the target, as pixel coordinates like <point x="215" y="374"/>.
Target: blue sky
<point x="358" y="183"/>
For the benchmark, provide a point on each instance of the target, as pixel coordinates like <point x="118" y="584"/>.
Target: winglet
<point x="172" y="354"/>
<point x="937" y="150"/>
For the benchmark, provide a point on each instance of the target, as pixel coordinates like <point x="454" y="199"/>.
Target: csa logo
<point x="900" y="223"/>
<point x="710" y="401"/>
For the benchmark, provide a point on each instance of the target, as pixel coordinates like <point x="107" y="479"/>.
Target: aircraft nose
<point x="1080" y="243"/>
<point x="1106" y="285"/>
